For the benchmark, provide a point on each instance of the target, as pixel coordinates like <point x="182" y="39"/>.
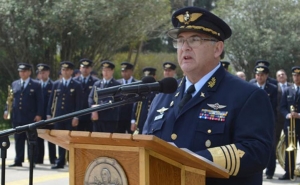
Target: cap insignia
<point x="105" y="65"/>
<point x="40" y="68"/>
<point x="65" y="65"/>
<point x="260" y="69"/>
<point x="22" y="66"/>
<point x="168" y="65"/>
<point x="261" y="64"/>
<point x="124" y="66"/>
<point x="147" y="73"/>
<point x="187" y="18"/>
<point x="85" y="63"/>
<point x="297" y="71"/>
<point x="212" y="82"/>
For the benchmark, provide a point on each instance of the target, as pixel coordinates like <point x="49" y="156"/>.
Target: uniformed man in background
<point x="169" y="69"/>
<point x="291" y="98"/>
<point x="46" y="85"/>
<point x="87" y="82"/>
<point x="27" y="107"/>
<point x="124" y="125"/>
<point x="266" y="64"/>
<point x="213" y="113"/>
<point x="106" y="120"/>
<point x="141" y="108"/>
<point x="65" y="98"/>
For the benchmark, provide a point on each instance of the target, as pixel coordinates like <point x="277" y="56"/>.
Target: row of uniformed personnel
<point x="44" y="99"/>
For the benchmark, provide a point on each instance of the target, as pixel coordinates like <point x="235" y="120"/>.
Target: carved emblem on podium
<point x="105" y="171"/>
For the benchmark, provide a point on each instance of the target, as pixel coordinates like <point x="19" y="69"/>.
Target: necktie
<point x="23" y="85"/>
<point x="297" y="94"/>
<point x="187" y="96"/>
<point x="126" y="81"/>
<point x="84" y="80"/>
<point x="105" y="84"/>
<point x="66" y="84"/>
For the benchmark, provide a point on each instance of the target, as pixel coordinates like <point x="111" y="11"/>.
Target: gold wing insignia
<point x="216" y="106"/>
<point x="187" y="18"/>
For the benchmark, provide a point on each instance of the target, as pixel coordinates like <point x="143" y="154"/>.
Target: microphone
<point x="167" y="85"/>
<point x="112" y="91"/>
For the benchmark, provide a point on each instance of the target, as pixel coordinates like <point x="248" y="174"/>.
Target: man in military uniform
<point x="65" y="98"/>
<point x="46" y="85"/>
<point x="290" y="109"/>
<point x="141" y="108"/>
<point x="124" y="124"/>
<point x="107" y="120"/>
<point x="27" y="107"/>
<point x="213" y="114"/>
<point x="225" y="64"/>
<point x="267" y="64"/>
<point x="87" y="82"/>
<point x="169" y="69"/>
<point x="261" y="76"/>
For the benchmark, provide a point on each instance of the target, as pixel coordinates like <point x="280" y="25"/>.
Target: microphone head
<point x="168" y="85"/>
<point x="148" y="79"/>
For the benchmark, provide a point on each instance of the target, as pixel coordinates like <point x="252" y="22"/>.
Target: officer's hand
<point x="74" y="122"/>
<point x="48" y="117"/>
<point x="37" y="118"/>
<point x="94" y="115"/>
<point x="5" y="116"/>
<point x="133" y="127"/>
<point x="294" y="115"/>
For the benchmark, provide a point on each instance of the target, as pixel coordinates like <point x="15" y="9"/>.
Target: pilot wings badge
<point x="216" y="106"/>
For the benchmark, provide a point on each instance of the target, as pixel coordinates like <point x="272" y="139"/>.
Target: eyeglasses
<point x="193" y="42"/>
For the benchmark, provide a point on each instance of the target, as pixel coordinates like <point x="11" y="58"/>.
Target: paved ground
<point x="43" y="175"/>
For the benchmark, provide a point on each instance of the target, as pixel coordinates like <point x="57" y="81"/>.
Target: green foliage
<point x="262" y="30"/>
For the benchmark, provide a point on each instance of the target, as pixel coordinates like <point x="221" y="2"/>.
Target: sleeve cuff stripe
<point x="232" y="159"/>
<point x="238" y="162"/>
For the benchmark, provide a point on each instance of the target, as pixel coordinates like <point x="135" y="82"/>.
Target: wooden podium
<point x="146" y="159"/>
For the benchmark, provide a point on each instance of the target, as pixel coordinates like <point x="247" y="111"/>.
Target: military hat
<point x="67" y="64"/>
<point x="198" y="20"/>
<point x="24" y="66"/>
<point x="225" y="64"/>
<point x="85" y="62"/>
<point x="126" y="65"/>
<point x="107" y="64"/>
<point x="296" y="70"/>
<point x="149" y="71"/>
<point x="262" y="63"/>
<point x="261" y="69"/>
<point x="43" y="67"/>
<point x="169" y="65"/>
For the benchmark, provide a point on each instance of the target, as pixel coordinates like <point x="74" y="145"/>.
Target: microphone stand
<point x="32" y="135"/>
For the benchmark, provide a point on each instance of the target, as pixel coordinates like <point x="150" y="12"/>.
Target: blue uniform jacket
<point x="86" y="90"/>
<point x="46" y="95"/>
<point x="109" y="114"/>
<point x="68" y="98"/>
<point x="27" y="103"/>
<point x="229" y="122"/>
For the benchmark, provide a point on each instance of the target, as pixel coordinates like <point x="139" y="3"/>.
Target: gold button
<point x="20" y="98"/>
<point x="63" y="103"/>
<point x="172" y="103"/>
<point x="174" y="136"/>
<point x="21" y="94"/>
<point x="207" y="143"/>
<point x="62" y="107"/>
<point x="209" y="131"/>
<point x="20" y="107"/>
<point x="63" y="98"/>
<point x="64" y="95"/>
<point x="20" y="103"/>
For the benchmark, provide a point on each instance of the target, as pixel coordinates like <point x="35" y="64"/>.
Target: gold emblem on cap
<point x="85" y="63"/>
<point x="174" y="136"/>
<point x="208" y="143"/>
<point x="261" y="64"/>
<point x="260" y="69"/>
<point x="65" y="65"/>
<point x="162" y="110"/>
<point x="212" y="82"/>
<point x="40" y="68"/>
<point x="297" y="71"/>
<point x="187" y="17"/>
<point x="105" y="65"/>
<point x="124" y="66"/>
<point x="21" y="66"/>
<point x="147" y="73"/>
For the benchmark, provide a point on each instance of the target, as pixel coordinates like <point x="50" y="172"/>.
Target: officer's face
<point x="126" y="74"/>
<point x="66" y="73"/>
<point x="296" y="79"/>
<point x="169" y="73"/>
<point x="281" y="76"/>
<point x="85" y="70"/>
<point x="24" y="74"/>
<point x="107" y="73"/>
<point x="261" y="78"/>
<point x="198" y="61"/>
<point x="44" y="75"/>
